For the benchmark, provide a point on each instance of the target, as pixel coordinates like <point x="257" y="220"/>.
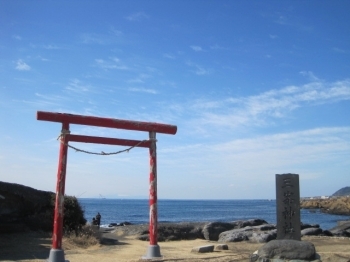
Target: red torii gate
<point x="56" y="252"/>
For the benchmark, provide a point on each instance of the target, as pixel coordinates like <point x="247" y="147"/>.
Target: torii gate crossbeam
<point x="56" y="253"/>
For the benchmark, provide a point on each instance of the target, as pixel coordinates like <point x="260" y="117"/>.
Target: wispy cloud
<point x="141" y="78"/>
<point x="22" y="66"/>
<point x="287" y="21"/>
<point x="17" y="37"/>
<point x="263" y="108"/>
<point x="340" y="50"/>
<point x="169" y="56"/>
<point x="52" y="47"/>
<point x="137" y="16"/>
<point x="197" y="48"/>
<point x="310" y="75"/>
<point x="287" y="151"/>
<point x="198" y="70"/>
<point x="143" y="90"/>
<point x="114" y="63"/>
<point x="77" y="86"/>
<point x="218" y="47"/>
<point x="111" y="37"/>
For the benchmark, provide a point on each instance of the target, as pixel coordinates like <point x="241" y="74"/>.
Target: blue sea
<point x="136" y="211"/>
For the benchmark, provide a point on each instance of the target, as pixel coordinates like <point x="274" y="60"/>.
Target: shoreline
<point x="35" y="246"/>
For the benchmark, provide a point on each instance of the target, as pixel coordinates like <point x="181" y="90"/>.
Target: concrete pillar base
<point x="56" y="255"/>
<point x="153" y="251"/>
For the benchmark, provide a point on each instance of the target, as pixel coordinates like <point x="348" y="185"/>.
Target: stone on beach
<point x="203" y="249"/>
<point x="288" y="249"/>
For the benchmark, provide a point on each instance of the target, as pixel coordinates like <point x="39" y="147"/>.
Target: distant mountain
<point x="345" y="191"/>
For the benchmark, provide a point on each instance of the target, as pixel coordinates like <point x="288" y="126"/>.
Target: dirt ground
<point x="116" y="246"/>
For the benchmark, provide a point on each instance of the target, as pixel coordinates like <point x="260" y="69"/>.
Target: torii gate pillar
<point x="153" y="248"/>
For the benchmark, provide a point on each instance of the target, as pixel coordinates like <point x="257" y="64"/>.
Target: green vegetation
<point x="73" y="214"/>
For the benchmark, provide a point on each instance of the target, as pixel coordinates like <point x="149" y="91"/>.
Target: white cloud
<point x="276" y="103"/>
<point x="199" y="70"/>
<point x="52" y="47"/>
<point x="310" y="75"/>
<point x="196" y="48"/>
<point x="339" y="50"/>
<point x="114" y="64"/>
<point x="77" y="86"/>
<point x="218" y="47"/>
<point x="17" y="37"/>
<point x="262" y="109"/>
<point x="137" y="16"/>
<point x="169" y="56"/>
<point x="22" y="66"/>
<point x="143" y="90"/>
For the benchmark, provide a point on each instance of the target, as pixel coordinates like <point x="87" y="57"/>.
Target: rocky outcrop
<point x="169" y="231"/>
<point x="212" y="230"/>
<point x="24" y="207"/>
<point x="253" y="233"/>
<point x="333" y="205"/>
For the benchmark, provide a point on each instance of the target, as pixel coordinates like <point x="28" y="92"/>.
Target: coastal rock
<point x="248" y="223"/>
<point x="236" y="235"/>
<point x="212" y="230"/>
<point x="287" y="249"/>
<point x="333" y="205"/>
<point x="263" y="237"/>
<point x="260" y="234"/>
<point x="343" y="229"/>
<point x="173" y="231"/>
<point x="304" y="225"/>
<point x="311" y="231"/>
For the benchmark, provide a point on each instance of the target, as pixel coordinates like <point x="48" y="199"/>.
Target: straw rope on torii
<point x="66" y="132"/>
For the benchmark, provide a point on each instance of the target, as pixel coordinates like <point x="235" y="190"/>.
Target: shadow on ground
<point x="19" y="246"/>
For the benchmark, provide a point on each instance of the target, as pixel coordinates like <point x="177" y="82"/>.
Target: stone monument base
<point x="285" y="250"/>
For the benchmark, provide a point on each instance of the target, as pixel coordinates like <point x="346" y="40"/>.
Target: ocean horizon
<point x="136" y="211"/>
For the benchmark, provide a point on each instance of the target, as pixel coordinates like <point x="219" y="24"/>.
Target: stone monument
<point x="288" y="206"/>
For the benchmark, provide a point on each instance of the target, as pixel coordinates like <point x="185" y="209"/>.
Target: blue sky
<point x="256" y="88"/>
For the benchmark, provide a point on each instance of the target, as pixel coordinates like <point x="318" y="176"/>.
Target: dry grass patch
<point x="85" y="237"/>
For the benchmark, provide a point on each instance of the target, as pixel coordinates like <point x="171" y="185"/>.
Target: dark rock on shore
<point x="342" y="229"/>
<point x="175" y="231"/>
<point x="217" y="231"/>
<point x="211" y="231"/>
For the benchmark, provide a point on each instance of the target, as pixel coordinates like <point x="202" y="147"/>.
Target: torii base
<point x="56" y="255"/>
<point x="153" y="251"/>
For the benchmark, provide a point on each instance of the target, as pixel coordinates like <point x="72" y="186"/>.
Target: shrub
<point x="73" y="218"/>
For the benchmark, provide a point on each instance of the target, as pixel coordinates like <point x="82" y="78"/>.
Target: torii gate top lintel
<point x="106" y="122"/>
